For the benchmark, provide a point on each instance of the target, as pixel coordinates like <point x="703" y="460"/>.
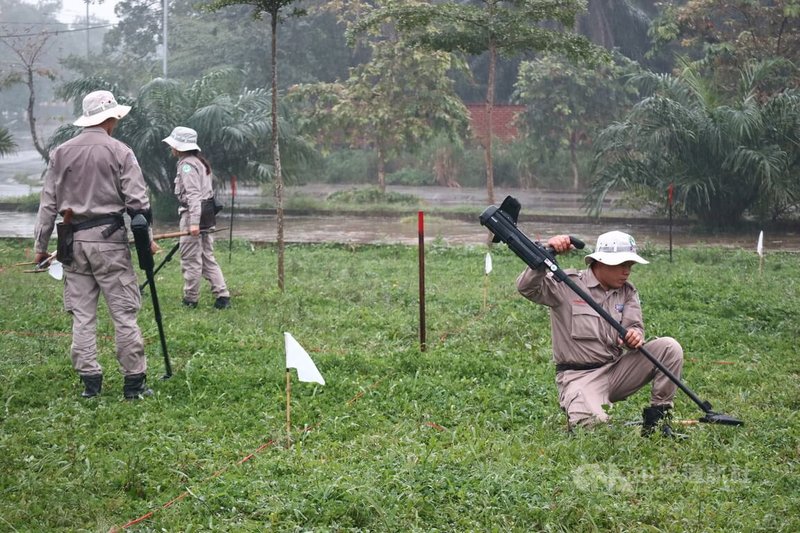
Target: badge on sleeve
<point x="186" y="168"/>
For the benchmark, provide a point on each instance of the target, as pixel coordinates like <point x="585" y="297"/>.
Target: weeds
<point x="466" y="436"/>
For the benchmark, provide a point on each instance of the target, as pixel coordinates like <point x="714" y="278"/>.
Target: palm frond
<point x="7" y="143"/>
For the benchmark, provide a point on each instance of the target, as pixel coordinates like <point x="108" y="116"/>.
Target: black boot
<point x="135" y="387"/>
<point x="92" y="384"/>
<point x="651" y="416"/>
<point x="223" y="302"/>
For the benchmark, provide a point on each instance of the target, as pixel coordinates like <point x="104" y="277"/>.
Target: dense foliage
<point x="232" y="127"/>
<point x="726" y="156"/>
<point x="466" y="436"/>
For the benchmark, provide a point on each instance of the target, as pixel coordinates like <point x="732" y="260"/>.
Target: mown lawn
<point x="466" y="436"/>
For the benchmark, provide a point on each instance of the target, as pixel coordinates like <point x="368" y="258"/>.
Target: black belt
<point x="116" y="222"/>
<point x="186" y="205"/>
<point x="560" y="367"/>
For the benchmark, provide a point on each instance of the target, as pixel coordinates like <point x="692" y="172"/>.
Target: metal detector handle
<point x="141" y="238"/>
<point x="504" y="228"/>
<point x="574" y="241"/>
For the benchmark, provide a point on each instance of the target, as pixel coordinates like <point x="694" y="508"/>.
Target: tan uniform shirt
<point x="94" y="174"/>
<point x="192" y="186"/>
<point x="580" y="335"/>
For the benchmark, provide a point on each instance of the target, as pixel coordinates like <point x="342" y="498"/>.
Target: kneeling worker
<point x="594" y="366"/>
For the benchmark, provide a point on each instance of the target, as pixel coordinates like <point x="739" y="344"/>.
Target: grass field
<point x="466" y="436"/>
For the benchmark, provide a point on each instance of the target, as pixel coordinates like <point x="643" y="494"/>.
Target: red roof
<point x="503" y="116"/>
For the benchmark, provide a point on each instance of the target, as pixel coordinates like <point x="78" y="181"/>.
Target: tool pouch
<point x="208" y="212"/>
<point x="64" y="245"/>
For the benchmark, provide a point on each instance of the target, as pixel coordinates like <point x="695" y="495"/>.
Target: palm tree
<point x="7" y="143"/>
<point x="230" y="126"/>
<point x="724" y="157"/>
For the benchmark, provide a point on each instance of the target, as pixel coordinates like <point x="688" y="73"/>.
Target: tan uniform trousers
<point x="103" y="265"/>
<point x="197" y="262"/>
<point x="582" y="393"/>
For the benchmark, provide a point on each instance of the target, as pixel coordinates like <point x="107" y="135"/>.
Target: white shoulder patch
<point x="186" y="168"/>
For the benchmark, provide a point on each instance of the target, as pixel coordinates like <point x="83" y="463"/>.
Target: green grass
<point x="466" y="436"/>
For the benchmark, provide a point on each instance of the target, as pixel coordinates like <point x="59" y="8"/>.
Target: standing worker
<point x="594" y="366"/>
<point x="194" y="189"/>
<point x="92" y="180"/>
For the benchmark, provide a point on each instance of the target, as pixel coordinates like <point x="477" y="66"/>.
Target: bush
<point x="411" y="176"/>
<point x="349" y="166"/>
<point x="372" y="195"/>
<point x="27" y="203"/>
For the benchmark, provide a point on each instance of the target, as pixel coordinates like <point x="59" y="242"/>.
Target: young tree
<point x="275" y="9"/>
<point x="395" y="102"/>
<point x="29" y="45"/>
<point x="725" y="156"/>
<point x="486" y="26"/>
<point x="566" y="104"/>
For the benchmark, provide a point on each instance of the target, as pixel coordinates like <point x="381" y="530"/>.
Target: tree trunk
<point x="276" y="154"/>
<point x="31" y="117"/>
<point x="381" y="168"/>
<point x="573" y="159"/>
<point x="487" y="143"/>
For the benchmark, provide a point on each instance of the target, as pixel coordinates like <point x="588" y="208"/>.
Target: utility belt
<point x="66" y="233"/>
<point x="114" y="221"/>
<point x="561" y="367"/>
<point x="208" y="211"/>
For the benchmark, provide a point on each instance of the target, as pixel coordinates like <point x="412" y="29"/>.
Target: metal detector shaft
<point x="535" y="255"/>
<point x="159" y="322"/>
<point x="141" y="237"/>
<point x="166" y="259"/>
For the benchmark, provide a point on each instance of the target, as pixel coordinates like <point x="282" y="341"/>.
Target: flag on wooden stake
<point x="488" y="264"/>
<point x="297" y="357"/>
<point x="760" y="245"/>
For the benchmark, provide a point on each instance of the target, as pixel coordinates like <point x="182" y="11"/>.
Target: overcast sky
<point x="76" y="9"/>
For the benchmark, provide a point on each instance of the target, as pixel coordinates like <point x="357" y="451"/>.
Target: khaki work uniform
<point x="582" y="338"/>
<point x="192" y="186"/>
<point x="96" y="176"/>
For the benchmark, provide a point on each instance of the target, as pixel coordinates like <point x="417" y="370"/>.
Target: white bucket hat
<point x="614" y="248"/>
<point x="99" y="106"/>
<point x="183" y="139"/>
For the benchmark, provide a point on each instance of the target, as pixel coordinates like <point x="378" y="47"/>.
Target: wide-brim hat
<point x="99" y="106"/>
<point x="614" y="248"/>
<point x="182" y="139"/>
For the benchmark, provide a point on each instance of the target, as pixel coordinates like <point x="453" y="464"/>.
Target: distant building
<point x="503" y="117"/>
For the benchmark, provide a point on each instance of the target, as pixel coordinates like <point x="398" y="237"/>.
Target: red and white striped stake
<point x="421" y="232"/>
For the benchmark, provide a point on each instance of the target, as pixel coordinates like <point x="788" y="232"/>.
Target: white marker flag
<point x="488" y="265"/>
<point x="760" y="245"/>
<point x="297" y="357"/>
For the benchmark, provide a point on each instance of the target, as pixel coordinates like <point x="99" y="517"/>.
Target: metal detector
<point x="166" y="260"/>
<point x="141" y="238"/>
<point x="502" y="222"/>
